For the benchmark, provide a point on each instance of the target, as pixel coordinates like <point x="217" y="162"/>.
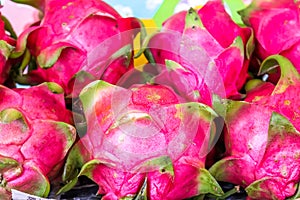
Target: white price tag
<point x="17" y="195"/>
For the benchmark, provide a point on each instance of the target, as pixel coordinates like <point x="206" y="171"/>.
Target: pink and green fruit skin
<point x="262" y="136"/>
<point x="276" y="27"/>
<point x="6" y="47"/>
<point x="34" y="140"/>
<point x="283" y="97"/>
<point x="173" y="139"/>
<point x="72" y="37"/>
<point x="261" y="152"/>
<point x="193" y="39"/>
<point x="45" y="101"/>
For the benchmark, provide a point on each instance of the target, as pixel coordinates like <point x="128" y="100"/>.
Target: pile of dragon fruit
<point x="214" y="102"/>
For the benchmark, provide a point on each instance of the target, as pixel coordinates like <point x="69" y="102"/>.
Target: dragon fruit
<point x="34" y="138"/>
<point x="257" y="151"/>
<point x="282" y="18"/>
<point x="143" y="141"/>
<point x="72" y="37"/>
<point x="45" y="101"/>
<point x="7" y="45"/>
<point x="193" y="40"/>
<point x="261" y="155"/>
<point x="280" y="98"/>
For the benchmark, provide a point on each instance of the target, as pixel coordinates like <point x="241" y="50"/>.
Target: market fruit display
<point x="215" y="101"/>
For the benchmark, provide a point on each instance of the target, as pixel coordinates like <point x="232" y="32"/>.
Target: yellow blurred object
<point x="151" y="28"/>
<point x="198" y="7"/>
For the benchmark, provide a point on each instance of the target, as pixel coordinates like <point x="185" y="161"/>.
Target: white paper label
<point x="17" y="195"/>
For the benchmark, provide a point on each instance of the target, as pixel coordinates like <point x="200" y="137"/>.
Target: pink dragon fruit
<point x="7" y="44"/>
<point x="193" y="40"/>
<point x="280" y="98"/>
<point x="276" y="27"/>
<point x="45" y="101"/>
<point x="143" y="141"/>
<point x="72" y="37"/>
<point x="257" y="151"/>
<point x="34" y="139"/>
<point x="261" y="154"/>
